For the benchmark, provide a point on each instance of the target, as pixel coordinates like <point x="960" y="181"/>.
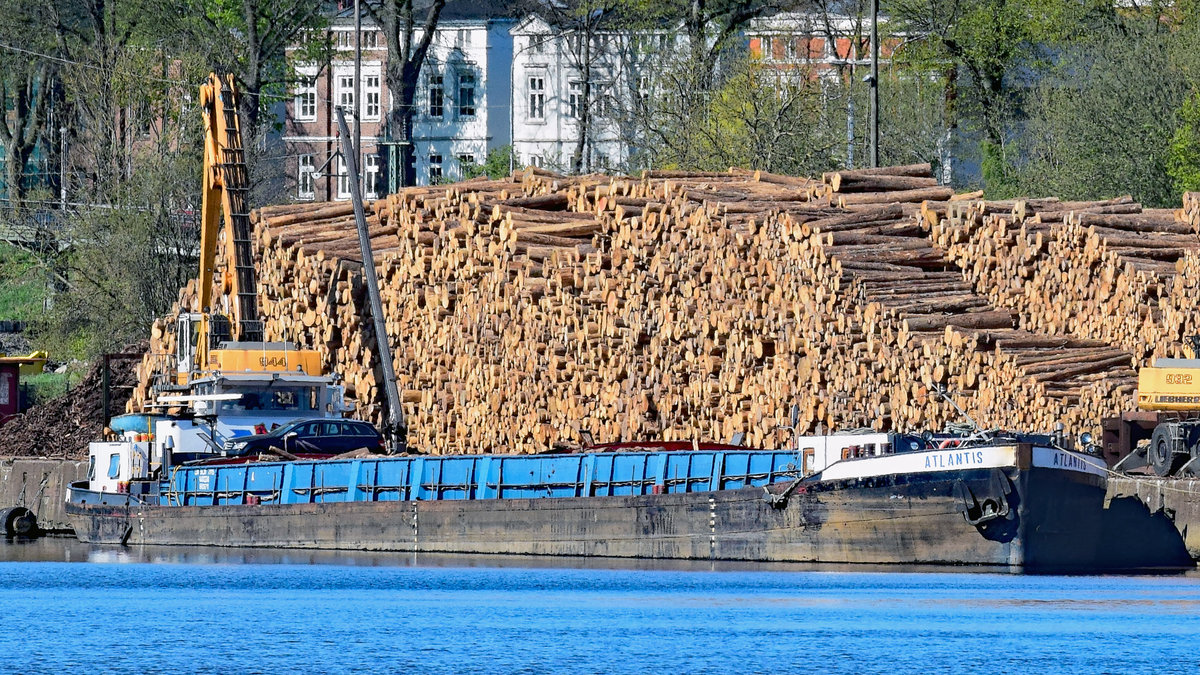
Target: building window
<point x="767" y="54"/>
<point x="465" y="161"/>
<point x="791" y="48"/>
<point x="343" y="179"/>
<point x="435" y="169"/>
<point x="536" y="160"/>
<point x="305" y="187"/>
<point x="575" y="99"/>
<point x="537" y="97"/>
<point x="344" y="94"/>
<point x="437" y="96"/>
<point x="371" y="94"/>
<point x="305" y="104"/>
<point x="344" y="39"/>
<point x="537" y="44"/>
<point x="642" y="93"/>
<point x="371" y="176"/>
<point x="466" y="94"/>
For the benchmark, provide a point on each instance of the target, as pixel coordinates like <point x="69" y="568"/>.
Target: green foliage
<point x="45" y="386"/>
<point x="1183" y="157"/>
<point x="128" y="262"/>
<point x="1101" y="122"/>
<point x="22" y="285"/>
<point x="495" y="165"/>
<point x="997" y="172"/>
<point x="759" y="117"/>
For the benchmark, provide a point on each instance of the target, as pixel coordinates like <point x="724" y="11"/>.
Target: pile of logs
<point x="537" y="311"/>
<point x="1106" y="270"/>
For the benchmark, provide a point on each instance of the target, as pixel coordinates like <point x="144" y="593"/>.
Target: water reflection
<point x="64" y="549"/>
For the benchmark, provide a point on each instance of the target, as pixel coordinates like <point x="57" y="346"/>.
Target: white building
<point x="461" y="104"/>
<point x="548" y="94"/>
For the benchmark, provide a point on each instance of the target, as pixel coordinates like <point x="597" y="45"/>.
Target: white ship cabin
<point x="218" y="410"/>
<point x="112" y="465"/>
<point x="819" y="452"/>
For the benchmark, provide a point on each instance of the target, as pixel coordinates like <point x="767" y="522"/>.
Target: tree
<point x="993" y="51"/>
<point x="407" y="45"/>
<point x="1101" y="122"/>
<point x="495" y="166"/>
<point x="26" y="88"/>
<point x="712" y="27"/>
<point x="1183" y="160"/>
<point x="128" y="260"/>
<point x="251" y="39"/>
<point x="24" y="91"/>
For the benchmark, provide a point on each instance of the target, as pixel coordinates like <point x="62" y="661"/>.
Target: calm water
<point x="70" y="608"/>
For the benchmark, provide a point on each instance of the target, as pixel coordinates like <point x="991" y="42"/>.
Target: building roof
<point x="455" y="10"/>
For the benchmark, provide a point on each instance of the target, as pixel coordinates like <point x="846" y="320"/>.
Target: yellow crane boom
<point x="207" y="342"/>
<point x="226" y="188"/>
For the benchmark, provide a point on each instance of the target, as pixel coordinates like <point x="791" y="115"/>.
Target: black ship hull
<point x="1032" y="519"/>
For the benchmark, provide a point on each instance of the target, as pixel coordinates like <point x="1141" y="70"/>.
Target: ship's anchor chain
<point x="991" y="504"/>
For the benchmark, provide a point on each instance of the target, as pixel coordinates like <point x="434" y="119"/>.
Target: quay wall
<point x="1178" y="498"/>
<point x="40" y="485"/>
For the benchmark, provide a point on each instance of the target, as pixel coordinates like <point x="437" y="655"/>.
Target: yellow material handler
<point x="1168" y="417"/>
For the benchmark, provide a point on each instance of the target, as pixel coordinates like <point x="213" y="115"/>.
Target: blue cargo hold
<point x="478" y="477"/>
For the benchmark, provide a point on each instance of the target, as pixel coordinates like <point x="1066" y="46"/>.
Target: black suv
<point x="312" y="439"/>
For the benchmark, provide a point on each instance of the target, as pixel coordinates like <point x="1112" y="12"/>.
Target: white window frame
<point x="437" y="83"/>
<point x="465" y="93"/>
<point x="436" y="162"/>
<point x="343" y="89"/>
<point x="574" y="98"/>
<point x="343" y="179"/>
<point x="371" y="169"/>
<point x="304" y="98"/>
<point x="537" y="96"/>
<point x="306" y="183"/>
<point x="372" y="94"/>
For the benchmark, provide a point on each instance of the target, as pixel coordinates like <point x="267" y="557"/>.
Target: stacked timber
<point x="535" y="311"/>
<point x="1096" y="270"/>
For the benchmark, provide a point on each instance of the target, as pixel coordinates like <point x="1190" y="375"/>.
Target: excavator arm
<point x="226" y="188"/>
<point x="227" y="339"/>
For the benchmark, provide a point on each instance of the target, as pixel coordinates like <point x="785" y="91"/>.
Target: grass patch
<point x="45" y="386"/>
<point x="22" y="285"/>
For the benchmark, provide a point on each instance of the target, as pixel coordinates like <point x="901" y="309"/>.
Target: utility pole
<point x="396" y="425"/>
<point x="874" y="80"/>
<point x="357" y="82"/>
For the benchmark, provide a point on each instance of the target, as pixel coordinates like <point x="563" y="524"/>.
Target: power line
<point x="70" y="62"/>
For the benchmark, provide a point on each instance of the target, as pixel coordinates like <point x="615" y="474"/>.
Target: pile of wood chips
<point x="527" y="312"/>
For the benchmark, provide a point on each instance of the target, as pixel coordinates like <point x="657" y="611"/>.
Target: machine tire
<point x="1166" y="452"/>
<point x="19" y="521"/>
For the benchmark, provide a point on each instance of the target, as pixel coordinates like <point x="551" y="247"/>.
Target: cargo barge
<point x="1014" y="501"/>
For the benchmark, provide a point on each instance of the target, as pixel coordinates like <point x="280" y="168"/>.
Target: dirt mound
<point x="63" y="426"/>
